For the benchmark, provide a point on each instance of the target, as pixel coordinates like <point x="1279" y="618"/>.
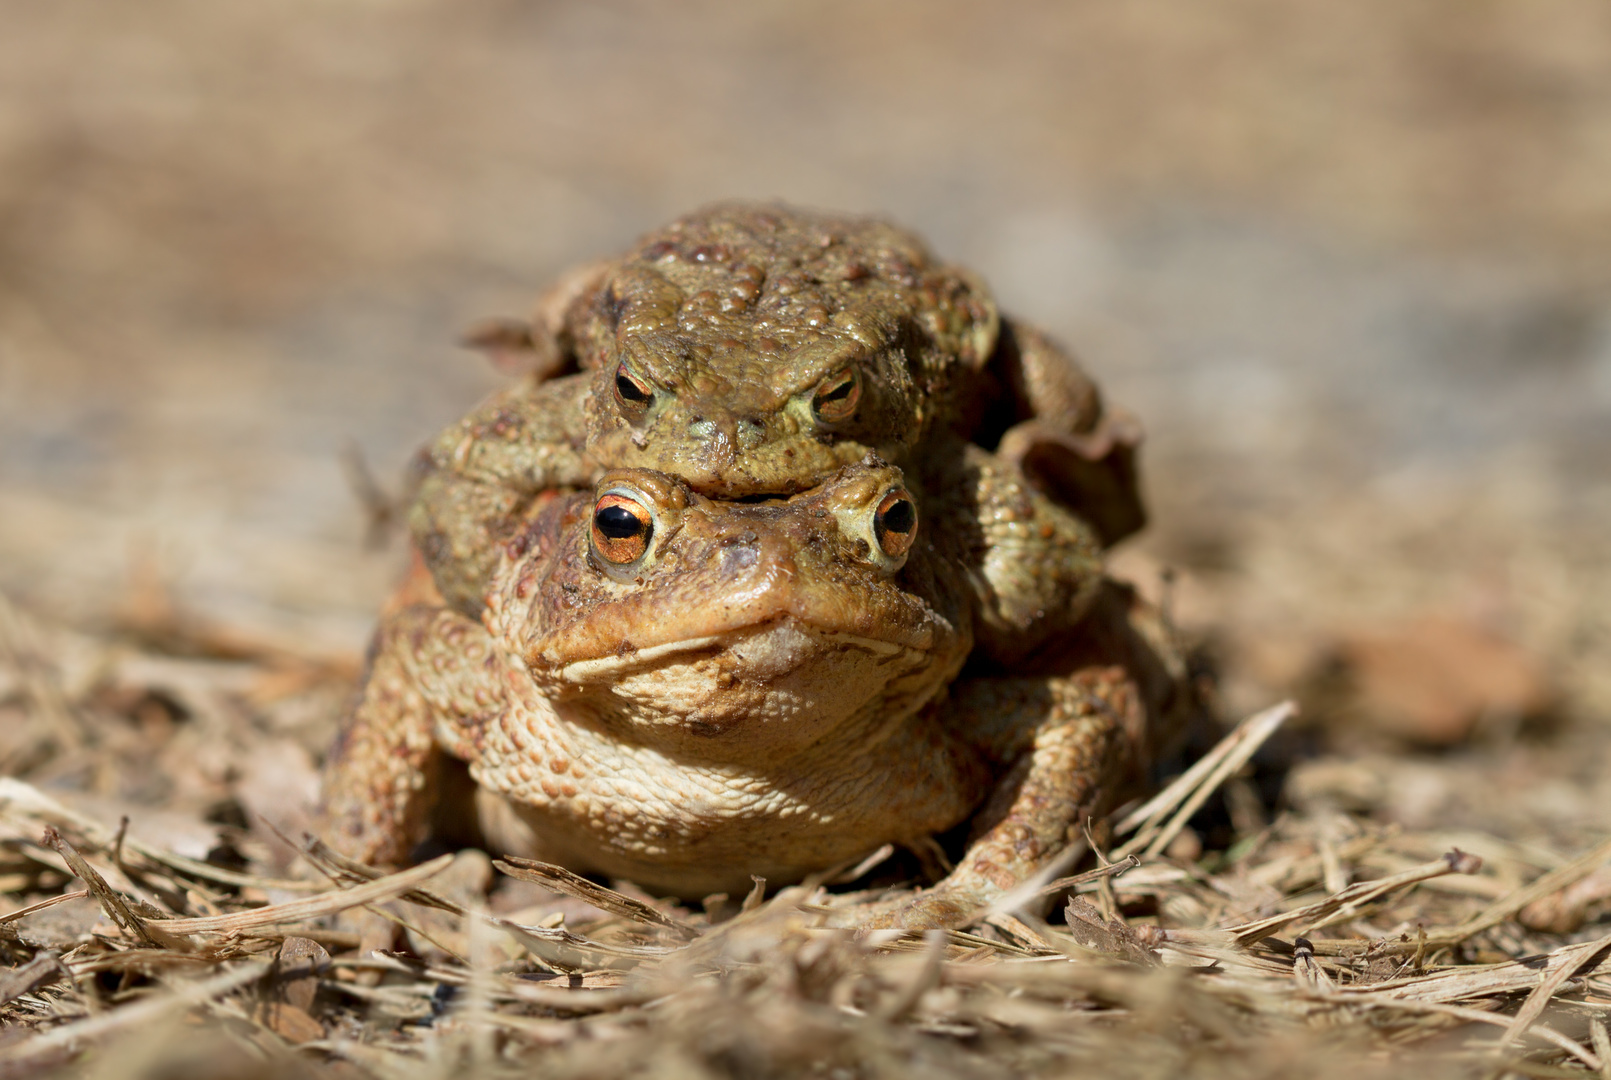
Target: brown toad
<point x="754" y="350"/>
<point x="686" y="692"/>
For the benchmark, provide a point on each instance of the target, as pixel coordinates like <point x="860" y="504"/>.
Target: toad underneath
<point x="685" y="692"/>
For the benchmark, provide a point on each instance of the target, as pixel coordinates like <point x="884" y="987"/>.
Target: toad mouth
<point x="615" y="665"/>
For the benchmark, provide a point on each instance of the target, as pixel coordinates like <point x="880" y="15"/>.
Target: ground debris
<point x="1323" y="941"/>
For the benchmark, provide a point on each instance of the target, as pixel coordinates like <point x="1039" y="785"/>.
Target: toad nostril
<point x="740" y="553"/>
<point x="751" y="433"/>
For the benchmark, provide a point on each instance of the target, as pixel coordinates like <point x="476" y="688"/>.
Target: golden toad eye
<point x="622" y="527"/>
<point x="632" y="394"/>
<point x="895" y="523"/>
<point x="837" y="395"/>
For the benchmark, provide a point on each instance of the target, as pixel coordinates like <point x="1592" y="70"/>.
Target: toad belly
<point x="568" y="788"/>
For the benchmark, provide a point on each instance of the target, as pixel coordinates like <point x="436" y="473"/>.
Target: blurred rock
<point x="1565" y="911"/>
<point x="1186" y="847"/>
<point x="1337" y="784"/>
<point x="1435" y="681"/>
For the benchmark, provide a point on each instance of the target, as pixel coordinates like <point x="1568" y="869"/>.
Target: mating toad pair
<point x="787" y="546"/>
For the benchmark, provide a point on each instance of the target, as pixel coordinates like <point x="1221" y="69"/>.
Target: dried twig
<point x="52" y="1046"/>
<point x="1186" y="795"/>
<point x="1562" y="967"/>
<point x="116" y="908"/>
<point x="571" y="884"/>
<point x="23" y="801"/>
<point x="309" y="907"/>
<point x="1111" y="870"/>
<point x="1509" y="905"/>
<point x="554" y="946"/>
<point x="18" y="981"/>
<point x="1346" y="902"/>
<point x="1477" y="1016"/>
<point x="48" y="902"/>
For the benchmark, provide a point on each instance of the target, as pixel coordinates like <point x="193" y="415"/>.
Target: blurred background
<point x="1350" y="264"/>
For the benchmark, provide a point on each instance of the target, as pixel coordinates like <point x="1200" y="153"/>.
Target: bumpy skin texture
<point x="755" y="350"/>
<point x="767" y="687"/>
<point x="733" y="318"/>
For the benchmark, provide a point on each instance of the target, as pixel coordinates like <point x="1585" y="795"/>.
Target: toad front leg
<point x="1069" y="742"/>
<point x="430" y="670"/>
<point x="1068" y="746"/>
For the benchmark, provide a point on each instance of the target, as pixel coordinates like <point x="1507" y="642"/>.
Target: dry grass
<point x="1319" y="942"/>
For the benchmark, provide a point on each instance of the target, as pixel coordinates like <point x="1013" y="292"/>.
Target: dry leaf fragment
<point x="290" y="1023"/>
<point x="297" y="969"/>
<point x="1087" y="926"/>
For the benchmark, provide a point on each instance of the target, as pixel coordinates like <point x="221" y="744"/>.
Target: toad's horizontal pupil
<point x="630" y="390"/>
<point x="619" y="523"/>
<point x="839" y="392"/>
<point x="899" y="518"/>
